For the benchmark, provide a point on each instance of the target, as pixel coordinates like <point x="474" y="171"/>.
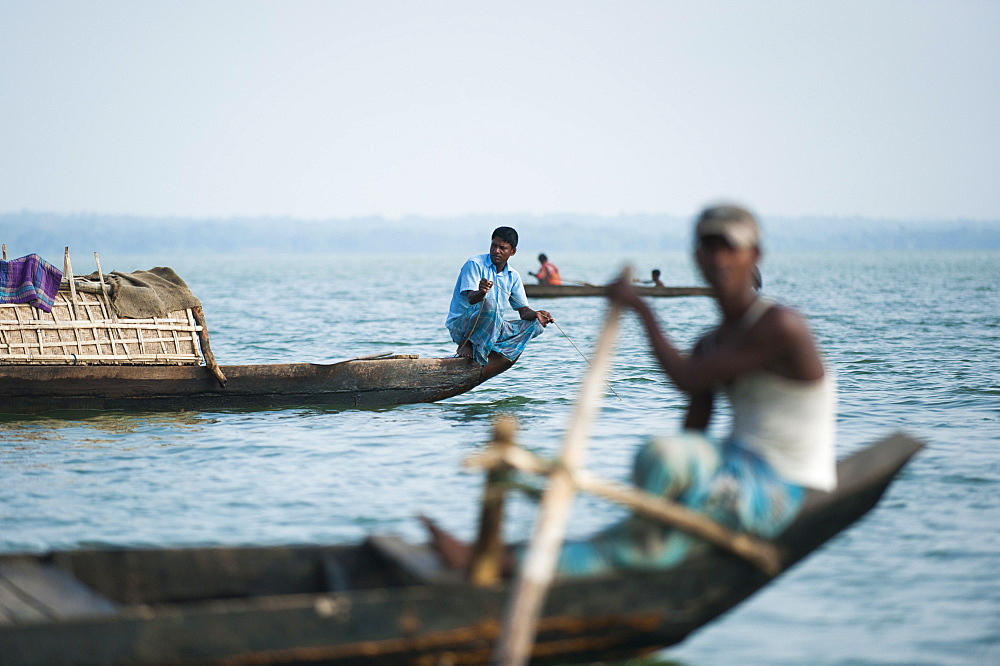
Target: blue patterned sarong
<point x="484" y="327"/>
<point x="729" y="483"/>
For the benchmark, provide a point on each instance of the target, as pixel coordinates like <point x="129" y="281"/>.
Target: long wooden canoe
<point x="388" y="380"/>
<point x="382" y="601"/>
<point x="570" y="290"/>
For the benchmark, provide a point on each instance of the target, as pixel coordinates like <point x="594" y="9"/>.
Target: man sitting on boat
<point x="764" y="358"/>
<point x="475" y="318"/>
<point x="547" y="273"/>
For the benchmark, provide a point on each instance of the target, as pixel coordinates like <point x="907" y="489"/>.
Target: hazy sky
<point x="336" y="109"/>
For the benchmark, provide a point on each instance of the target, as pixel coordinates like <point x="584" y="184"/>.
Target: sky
<point x="318" y="110"/>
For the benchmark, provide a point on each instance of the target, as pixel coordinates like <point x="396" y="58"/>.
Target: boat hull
<point x="569" y="290"/>
<point x="379" y="602"/>
<point x="26" y="389"/>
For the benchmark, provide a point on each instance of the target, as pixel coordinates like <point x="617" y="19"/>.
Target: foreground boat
<point x="570" y="290"/>
<point x="368" y="382"/>
<point x="379" y="602"/>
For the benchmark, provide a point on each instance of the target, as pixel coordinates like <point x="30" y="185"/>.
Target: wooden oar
<point x="535" y="574"/>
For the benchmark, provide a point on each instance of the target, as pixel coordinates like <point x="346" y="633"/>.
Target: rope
<point x="582" y="355"/>
<point x="610" y="388"/>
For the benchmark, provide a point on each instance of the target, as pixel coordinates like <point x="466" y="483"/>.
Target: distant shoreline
<point x="28" y="231"/>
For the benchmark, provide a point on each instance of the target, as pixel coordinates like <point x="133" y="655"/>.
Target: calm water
<point x="912" y="336"/>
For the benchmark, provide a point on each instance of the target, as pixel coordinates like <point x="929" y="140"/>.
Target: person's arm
<point x="782" y="342"/>
<point x="479" y="294"/>
<point x="699" y="410"/>
<point x="472" y="281"/>
<point x="542" y="316"/>
<point x="701" y="403"/>
<point x="694" y="375"/>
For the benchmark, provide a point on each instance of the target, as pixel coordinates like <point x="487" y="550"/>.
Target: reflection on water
<point x="117" y="423"/>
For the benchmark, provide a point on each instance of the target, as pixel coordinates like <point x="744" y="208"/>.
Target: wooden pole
<point x="486" y="565"/>
<point x="68" y="271"/>
<point x="538" y="569"/>
<point x="114" y="333"/>
<point x="5" y="252"/>
<point x="105" y="294"/>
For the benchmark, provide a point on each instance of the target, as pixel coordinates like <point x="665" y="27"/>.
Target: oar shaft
<point x="538" y="569"/>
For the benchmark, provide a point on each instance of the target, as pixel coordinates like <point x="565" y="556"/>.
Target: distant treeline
<point x="48" y="233"/>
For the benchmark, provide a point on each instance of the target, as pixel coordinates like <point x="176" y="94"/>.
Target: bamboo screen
<point x="83" y="329"/>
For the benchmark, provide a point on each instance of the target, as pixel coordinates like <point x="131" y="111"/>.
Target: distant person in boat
<point x="654" y="280"/>
<point x="475" y="318"/>
<point x="548" y="273"/>
<point x="782" y="398"/>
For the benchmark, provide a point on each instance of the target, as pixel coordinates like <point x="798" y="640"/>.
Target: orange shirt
<point x="548" y="274"/>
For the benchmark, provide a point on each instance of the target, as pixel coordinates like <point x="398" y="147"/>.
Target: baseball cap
<point x="734" y="223"/>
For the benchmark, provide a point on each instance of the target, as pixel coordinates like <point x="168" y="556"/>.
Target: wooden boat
<point x="83" y="355"/>
<point x="364" y="382"/>
<point x="572" y="290"/>
<point x="382" y="601"/>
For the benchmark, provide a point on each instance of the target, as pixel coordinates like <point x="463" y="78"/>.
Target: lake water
<point x="913" y="337"/>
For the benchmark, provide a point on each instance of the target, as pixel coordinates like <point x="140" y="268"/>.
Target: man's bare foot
<point x="465" y="350"/>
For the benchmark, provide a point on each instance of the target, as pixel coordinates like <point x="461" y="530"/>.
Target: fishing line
<point x="610" y="388"/>
<point x="582" y="355"/>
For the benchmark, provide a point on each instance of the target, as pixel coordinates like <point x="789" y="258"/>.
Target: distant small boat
<point x="572" y="290"/>
<point x="365" y="382"/>
<point x="382" y="601"/>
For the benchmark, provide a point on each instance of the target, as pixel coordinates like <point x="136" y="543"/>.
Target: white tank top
<point x="790" y="422"/>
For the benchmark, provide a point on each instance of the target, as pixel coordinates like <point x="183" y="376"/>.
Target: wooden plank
<point x="415" y="564"/>
<point x="53" y="591"/>
<point x="14" y="609"/>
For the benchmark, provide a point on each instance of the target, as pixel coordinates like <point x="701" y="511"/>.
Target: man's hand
<point x="543" y="317"/>
<point x="623" y="292"/>
<point x="479" y="294"/>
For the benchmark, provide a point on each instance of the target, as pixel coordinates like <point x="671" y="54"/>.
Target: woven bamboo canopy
<point x="83" y="328"/>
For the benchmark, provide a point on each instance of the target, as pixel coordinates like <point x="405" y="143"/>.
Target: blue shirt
<point x="507" y="284"/>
